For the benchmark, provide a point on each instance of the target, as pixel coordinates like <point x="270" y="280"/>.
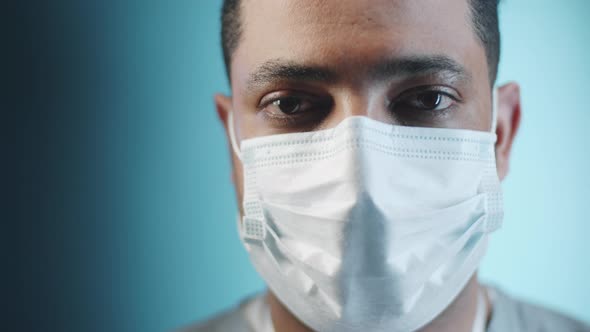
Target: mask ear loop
<point x="494" y="110"/>
<point x="232" y="135"/>
<point x="232" y="138"/>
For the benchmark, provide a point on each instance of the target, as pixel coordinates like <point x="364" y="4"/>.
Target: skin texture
<point x="340" y="58"/>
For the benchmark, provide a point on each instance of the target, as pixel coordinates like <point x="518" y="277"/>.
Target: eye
<point x="429" y="100"/>
<point x="289" y="105"/>
<point x="294" y="108"/>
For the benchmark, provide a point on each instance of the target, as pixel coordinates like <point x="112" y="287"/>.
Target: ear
<point x="223" y="105"/>
<point x="508" y="121"/>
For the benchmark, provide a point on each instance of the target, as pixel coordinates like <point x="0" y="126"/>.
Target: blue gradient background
<point x="130" y="222"/>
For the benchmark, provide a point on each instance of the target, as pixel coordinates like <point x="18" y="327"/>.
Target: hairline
<point x="482" y="33"/>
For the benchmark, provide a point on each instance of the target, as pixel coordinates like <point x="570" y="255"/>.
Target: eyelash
<point x="321" y="105"/>
<point x="441" y="90"/>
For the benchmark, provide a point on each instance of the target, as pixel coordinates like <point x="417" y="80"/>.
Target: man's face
<point x="304" y="65"/>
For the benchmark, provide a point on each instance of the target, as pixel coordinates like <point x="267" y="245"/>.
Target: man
<point x="368" y="143"/>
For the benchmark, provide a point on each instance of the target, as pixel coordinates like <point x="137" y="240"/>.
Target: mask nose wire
<point x="494" y="110"/>
<point x="232" y="135"/>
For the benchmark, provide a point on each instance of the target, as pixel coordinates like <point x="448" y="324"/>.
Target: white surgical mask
<point x="369" y="226"/>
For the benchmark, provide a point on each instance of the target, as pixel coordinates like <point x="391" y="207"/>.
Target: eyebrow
<point x="418" y="65"/>
<point x="285" y="70"/>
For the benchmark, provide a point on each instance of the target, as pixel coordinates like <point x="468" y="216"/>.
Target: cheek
<point x="478" y="112"/>
<point x="481" y="110"/>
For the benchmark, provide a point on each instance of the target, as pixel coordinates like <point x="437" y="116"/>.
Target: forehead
<point x="346" y="34"/>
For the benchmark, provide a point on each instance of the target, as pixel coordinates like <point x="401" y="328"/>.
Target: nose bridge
<point x="354" y="102"/>
<point x="358" y="100"/>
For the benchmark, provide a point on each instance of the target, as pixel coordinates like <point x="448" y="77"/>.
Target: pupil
<point x="430" y="100"/>
<point x="288" y="105"/>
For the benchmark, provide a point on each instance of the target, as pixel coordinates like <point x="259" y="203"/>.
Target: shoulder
<point x="232" y="320"/>
<point x="510" y="314"/>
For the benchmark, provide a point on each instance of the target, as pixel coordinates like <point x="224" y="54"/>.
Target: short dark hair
<point x="484" y="14"/>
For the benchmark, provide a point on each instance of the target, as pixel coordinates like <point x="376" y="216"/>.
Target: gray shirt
<point x="508" y="315"/>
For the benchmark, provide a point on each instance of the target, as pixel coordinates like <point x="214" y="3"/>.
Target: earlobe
<point x="508" y="121"/>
